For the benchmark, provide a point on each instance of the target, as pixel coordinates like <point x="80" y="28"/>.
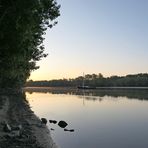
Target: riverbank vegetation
<point x="22" y="26"/>
<point x="97" y="80"/>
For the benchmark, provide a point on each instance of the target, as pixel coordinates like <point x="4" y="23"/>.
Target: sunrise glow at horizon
<point x="98" y="36"/>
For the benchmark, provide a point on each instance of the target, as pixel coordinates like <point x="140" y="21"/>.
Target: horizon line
<point x="89" y="74"/>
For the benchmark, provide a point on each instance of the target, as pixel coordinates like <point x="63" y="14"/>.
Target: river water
<point x="112" y="118"/>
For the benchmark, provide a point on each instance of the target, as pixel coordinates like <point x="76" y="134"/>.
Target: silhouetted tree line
<point x="22" y="26"/>
<point x="137" y="80"/>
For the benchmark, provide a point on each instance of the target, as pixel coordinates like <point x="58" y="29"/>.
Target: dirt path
<point x="15" y="111"/>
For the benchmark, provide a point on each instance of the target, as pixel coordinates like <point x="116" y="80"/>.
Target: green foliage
<point x="22" y="26"/>
<point x="137" y="80"/>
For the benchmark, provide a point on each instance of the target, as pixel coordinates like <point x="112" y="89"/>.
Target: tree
<point x="22" y="26"/>
<point x="100" y="76"/>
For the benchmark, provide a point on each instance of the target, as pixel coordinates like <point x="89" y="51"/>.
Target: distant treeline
<point x="97" y="80"/>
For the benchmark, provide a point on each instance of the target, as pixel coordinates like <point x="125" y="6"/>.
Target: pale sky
<point x="96" y="36"/>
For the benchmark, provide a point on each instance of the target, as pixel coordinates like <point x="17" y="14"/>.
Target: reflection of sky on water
<point x="99" y="121"/>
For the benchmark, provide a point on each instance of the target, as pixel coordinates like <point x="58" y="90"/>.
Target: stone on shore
<point x="62" y="124"/>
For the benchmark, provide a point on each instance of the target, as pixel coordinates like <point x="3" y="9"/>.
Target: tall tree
<point x="22" y="26"/>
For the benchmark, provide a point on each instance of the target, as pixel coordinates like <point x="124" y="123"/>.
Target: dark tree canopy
<point x="96" y="80"/>
<point x="22" y="26"/>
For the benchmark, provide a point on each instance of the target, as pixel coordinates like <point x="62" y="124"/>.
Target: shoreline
<point x="15" y="110"/>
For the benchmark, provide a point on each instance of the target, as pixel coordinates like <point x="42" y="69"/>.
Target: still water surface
<point x="100" y="119"/>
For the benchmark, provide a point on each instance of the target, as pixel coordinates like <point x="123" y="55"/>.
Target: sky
<point x="96" y="36"/>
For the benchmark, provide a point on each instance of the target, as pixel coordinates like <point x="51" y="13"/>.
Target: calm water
<point x="101" y="119"/>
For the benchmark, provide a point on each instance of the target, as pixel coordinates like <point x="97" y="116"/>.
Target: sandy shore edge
<point x="15" y="110"/>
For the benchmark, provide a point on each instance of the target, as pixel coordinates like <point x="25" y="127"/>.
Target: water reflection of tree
<point x="141" y="94"/>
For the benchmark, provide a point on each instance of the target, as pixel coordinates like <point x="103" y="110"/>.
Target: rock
<point x="15" y="133"/>
<point x="53" y="121"/>
<point x="44" y="120"/>
<point x="19" y="127"/>
<point x="62" y="124"/>
<point x="7" y="127"/>
<point x="72" y="130"/>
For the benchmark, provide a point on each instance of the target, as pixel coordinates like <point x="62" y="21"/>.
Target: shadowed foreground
<point x="15" y="111"/>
